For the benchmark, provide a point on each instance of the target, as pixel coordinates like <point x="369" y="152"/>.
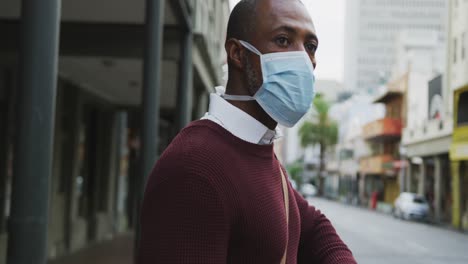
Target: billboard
<point x="435" y="103"/>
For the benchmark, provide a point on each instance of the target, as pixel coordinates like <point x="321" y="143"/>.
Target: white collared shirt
<point x="238" y="122"/>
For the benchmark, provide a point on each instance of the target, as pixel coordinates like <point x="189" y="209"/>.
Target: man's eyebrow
<point x="312" y="36"/>
<point x="285" y="28"/>
<point x="292" y="30"/>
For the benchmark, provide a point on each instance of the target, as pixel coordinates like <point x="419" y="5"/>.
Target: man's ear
<point x="235" y="53"/>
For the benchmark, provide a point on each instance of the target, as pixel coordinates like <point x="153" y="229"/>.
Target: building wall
<point x="210" y="23"/>
<point x="69" y="229"/>
<point x="417" y="101"/>
<point x="421" y="57"/>
<point x="457" y="80"/>
<point x="83" y="194"/>
<point x="458" y="46"/>
<point x="421" y="51"/>
<point x="370" y="52"/>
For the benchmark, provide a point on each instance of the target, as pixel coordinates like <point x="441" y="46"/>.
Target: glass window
<point x="419" y="200"/>
<point x="463" y="109"/>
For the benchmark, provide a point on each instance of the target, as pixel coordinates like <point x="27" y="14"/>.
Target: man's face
<point x="280" y="26"/>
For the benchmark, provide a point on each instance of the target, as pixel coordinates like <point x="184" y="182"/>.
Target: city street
<point x="376" y="238"/>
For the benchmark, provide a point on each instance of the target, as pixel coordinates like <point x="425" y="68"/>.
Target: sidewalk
<point x="116" y="251"/>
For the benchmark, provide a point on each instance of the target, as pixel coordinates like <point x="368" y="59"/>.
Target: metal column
<point x="409" y="177"/>
<point x="152" y="83"/>
<point x="422" y="179"/>
<point x="362" y="188"/>
<point x="456" y="194"/>
<point x="151" y="90"/>
<point x="27" y="240"/>
<point x="185" y="91"/>
<point x="438" y="188"/>
<point x="402" y="179"/>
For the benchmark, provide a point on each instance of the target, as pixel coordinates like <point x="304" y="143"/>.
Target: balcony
<point x="375" y="164"/>
<point x="387" y="128"/>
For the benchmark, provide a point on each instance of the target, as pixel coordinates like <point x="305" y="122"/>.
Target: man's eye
<point x="311" y="47"/>
<point x="282" y="41"/>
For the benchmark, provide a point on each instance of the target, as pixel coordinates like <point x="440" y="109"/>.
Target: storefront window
<point x="463" y="109"/>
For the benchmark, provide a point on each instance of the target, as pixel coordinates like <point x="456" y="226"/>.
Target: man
<point x="218" y="194"/>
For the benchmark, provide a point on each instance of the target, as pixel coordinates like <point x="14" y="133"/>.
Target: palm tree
<point x="321" y="130"/>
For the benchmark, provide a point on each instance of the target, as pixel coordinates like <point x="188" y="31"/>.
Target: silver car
<point x="308" y="190"/>
<point x="411" y="206"/>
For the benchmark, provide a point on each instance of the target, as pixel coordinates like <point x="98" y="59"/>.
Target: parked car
<point x="411" y="206"/>
<point x="308" y="190"/>
<point x="293" y="184"/>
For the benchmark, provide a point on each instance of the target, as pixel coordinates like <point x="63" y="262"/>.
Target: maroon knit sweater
<point x="214" y="198"/>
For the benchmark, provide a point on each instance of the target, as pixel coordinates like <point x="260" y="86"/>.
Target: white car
<point x="411" y="206"/>
<point x="308" y="190"/>
<point x="293" y="184"/>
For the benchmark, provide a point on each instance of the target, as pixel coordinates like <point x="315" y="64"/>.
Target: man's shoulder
<point x="199" y="152"/>
<point x="201" y="135"/>
<point x="201" y="141"/>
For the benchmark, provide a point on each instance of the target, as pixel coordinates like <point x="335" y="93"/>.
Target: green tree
<point x="295" y="172"/>
<point x="321" y="130"/>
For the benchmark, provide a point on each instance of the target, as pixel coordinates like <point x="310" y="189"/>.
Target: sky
<point x="329" y="20"/>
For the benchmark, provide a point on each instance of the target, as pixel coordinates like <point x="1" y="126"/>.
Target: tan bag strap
<point x="284" y="183"/>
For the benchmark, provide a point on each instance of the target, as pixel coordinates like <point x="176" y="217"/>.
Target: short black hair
<point x="241" y="22"/>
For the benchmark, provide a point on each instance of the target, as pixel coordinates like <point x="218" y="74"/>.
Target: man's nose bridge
<point x="299" y="46"/>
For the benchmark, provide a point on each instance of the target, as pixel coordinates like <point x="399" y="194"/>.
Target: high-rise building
<point x="372" y="27"/>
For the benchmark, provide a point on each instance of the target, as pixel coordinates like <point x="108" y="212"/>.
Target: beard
<point x="253" y="81"/>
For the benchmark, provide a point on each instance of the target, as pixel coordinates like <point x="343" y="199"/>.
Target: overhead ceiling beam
<point x="91" y="39"/>
<point x="183" y="12"/>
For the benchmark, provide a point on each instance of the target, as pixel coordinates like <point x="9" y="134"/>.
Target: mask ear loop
<point x="250" y="47"/>
<point x="237" y="97"/>
<point x="243" y="97"/>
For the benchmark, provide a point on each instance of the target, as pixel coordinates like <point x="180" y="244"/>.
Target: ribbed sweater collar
<point x="264" y="151"/>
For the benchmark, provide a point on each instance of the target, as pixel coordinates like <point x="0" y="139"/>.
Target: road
<point x="376" y="238"/>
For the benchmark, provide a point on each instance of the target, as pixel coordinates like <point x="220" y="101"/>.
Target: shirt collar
<point x="238" y="122"/>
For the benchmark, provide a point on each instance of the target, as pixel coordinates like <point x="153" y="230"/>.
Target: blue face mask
<point x="288" y="85"/>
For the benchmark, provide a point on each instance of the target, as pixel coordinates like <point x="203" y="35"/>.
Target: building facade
<point x="106" y="67"/>
<point x="352" y="149"/>
<point x="427" y="134"/>
<point x="457" y="81"/>
<point x="351" y="115"/>
<point x="380" y="171"/>
<point x="372" y="27"/>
